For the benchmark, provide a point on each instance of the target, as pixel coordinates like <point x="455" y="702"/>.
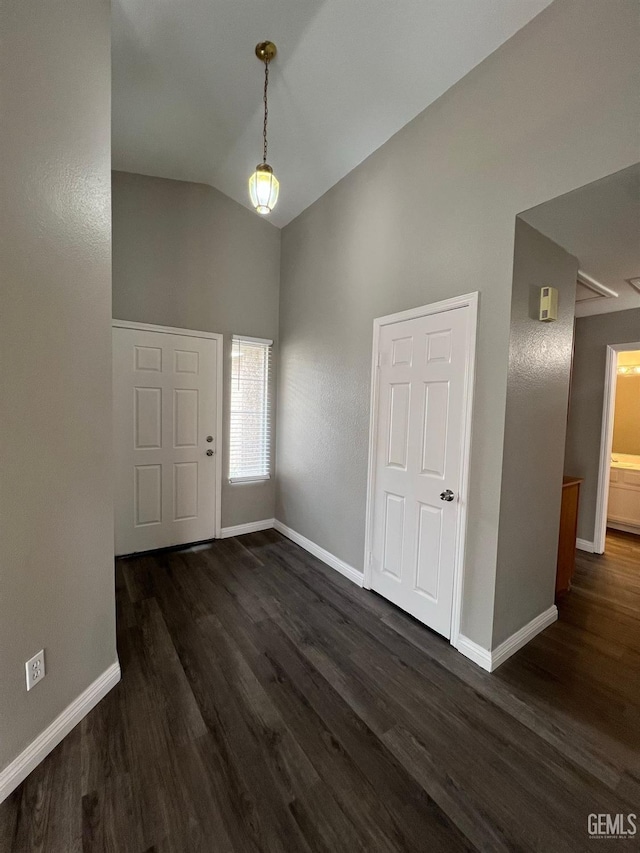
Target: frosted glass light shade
<point x="263" y="189"/>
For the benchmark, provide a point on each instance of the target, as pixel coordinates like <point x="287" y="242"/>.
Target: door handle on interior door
<point x="447" y="495"/>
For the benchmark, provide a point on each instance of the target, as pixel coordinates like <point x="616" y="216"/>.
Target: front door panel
<point x="164" y="410"/>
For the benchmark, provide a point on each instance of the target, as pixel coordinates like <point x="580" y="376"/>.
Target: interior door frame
<point x="191" y="333"/>
<point x="470" y="301"/>
<point x="606" y="441"/>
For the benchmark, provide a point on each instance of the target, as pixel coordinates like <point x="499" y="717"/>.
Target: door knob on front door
<point x="209" y="452"/>
<point x="447" y="495"/>
<point x="209" y="438"/>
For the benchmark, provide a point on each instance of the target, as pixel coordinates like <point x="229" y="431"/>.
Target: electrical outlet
<point x="35" y="669"/>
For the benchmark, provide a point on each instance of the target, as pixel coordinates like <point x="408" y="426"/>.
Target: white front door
<point x="166" y="447"/>
<point x="417" y="462"/>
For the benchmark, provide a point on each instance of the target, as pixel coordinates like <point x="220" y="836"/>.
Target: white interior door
<point x="165" y="417"/>
<point x="417" y="462"/>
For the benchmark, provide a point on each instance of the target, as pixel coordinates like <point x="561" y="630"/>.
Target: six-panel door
<point x="421" y="378"/>
<point x="164" y="425"/>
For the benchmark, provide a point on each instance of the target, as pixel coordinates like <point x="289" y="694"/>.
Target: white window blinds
<point x="250" y="433"/>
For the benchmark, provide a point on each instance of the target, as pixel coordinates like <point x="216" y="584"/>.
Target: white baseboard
<point x="249" y="527"/>
<point x="476" y="653"/>
<point x="521" y="638"/>
<point x="28" y="760"/>
<point x="326" y="557"/>
<point x="584" y="545"/>
<point x="491" y="660"/>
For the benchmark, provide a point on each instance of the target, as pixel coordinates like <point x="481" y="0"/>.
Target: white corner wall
<point x="535" y="424"/>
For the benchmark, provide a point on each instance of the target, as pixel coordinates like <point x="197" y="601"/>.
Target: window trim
<point x="247" y="340"/>
<point x="255" y="479"/>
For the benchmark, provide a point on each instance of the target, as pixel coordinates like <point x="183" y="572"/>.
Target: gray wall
<point x="535" y="425"/>
<point x="56" y="559"/>
<point x="427" y="216"/>
<point x="186" y="255"/>
<point x="584" y="430"/>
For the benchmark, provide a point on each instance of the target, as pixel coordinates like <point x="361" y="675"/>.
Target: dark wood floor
<point x="269" y="704"/>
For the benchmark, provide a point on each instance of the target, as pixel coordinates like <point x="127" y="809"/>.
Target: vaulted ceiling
<point x="187" y="87"/>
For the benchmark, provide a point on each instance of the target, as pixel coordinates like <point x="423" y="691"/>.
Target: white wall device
<point x="35" y="669"/>
<point x="548" y="304"/>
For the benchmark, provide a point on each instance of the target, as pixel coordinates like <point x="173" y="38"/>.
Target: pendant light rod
<point x="263" y="184"/>
<point x="265" y="51"/>
<point x="266" y="112"/>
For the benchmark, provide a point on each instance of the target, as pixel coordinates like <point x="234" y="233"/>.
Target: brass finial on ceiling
<point x="266" y="51"/>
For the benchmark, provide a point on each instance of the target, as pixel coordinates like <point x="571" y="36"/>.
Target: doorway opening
<point x="585" y="245"/>
<point x="599" y="535"/>
<point x="618" y="500"/>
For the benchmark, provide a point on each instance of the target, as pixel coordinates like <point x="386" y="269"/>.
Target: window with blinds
<point x="250" y="431"/>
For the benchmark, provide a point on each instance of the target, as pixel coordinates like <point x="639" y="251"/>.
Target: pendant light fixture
<point x="263" y="184"/>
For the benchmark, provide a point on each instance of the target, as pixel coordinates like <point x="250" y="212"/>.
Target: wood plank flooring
<point x="268" y="704"/>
